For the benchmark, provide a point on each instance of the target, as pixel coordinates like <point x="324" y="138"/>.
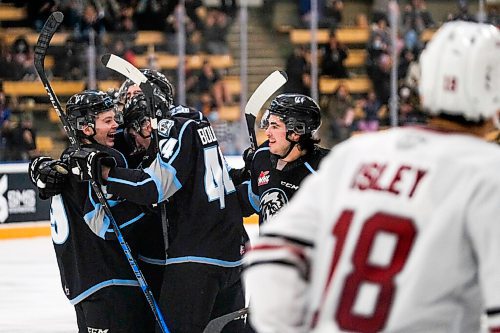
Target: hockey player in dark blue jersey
<point x="95" y="274"/>
<point x="202" y="270"/>
<point x="289" y="154"/>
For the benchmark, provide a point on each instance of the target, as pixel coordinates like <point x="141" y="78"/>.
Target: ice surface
<point x="31" y="296"/>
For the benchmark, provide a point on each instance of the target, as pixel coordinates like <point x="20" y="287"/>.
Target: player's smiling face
<point x="276" y="134"/>
<point x="105" y="128"/>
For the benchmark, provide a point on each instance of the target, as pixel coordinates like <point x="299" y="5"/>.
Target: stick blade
<point x="123" y="67"/>
<point x="216" y="325"/>
<point x="265" y="90"/>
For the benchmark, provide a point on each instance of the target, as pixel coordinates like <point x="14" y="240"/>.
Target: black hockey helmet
<point x="164" y="95"/>
<point x="300" y="113"/>
<point x="82" y="108"/>
<point x="135" y="112"/>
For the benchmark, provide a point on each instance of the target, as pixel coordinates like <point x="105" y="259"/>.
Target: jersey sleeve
<point x="165" y="175"/>
<point x="278" y="263"/>
<point x="484" y="229"/>
<point x="125" y="213"/>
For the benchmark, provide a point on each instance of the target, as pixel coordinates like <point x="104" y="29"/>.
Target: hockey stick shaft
<point x="128" y="70"/>
<point x="266" y="89"/>
<point x="41" y="47"/>
<point x="217" y="325"/>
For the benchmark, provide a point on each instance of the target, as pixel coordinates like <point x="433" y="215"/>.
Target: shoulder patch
<point x="164" y="127"/>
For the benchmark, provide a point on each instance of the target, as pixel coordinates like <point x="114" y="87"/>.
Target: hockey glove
<point x="238" y="176"/>
<point x="48" y="176"/>
<point x="248" y="158"/>
<point x="87" y="163"/>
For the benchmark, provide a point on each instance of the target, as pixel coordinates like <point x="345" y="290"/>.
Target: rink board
<point x="42" y="228"/>
<point x="24" y="215"/>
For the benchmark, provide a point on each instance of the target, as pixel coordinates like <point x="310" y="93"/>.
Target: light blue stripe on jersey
<point x="179" y="141"/>
<point x="259" y="150"/>
<point x="308" y="166"/>
<point x="129" y="222"/>
<point x="152" y="261"/>
<point x="127" y="182"/>
<point x="175" y="180"/>
<point x="252" y="197"/>
<point x="113" y="282"/>
<point x="203" y="260"/>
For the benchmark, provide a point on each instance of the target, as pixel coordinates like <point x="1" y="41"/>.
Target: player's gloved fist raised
<point x="48" y="176"/>
<point x="87" y="164"/>
<point x="248" y="157"/>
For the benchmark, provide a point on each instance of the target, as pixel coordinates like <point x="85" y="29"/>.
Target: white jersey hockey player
<point x="400" y="230"/>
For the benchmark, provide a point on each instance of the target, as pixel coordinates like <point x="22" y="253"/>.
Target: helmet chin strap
<point x="290" y="148"/>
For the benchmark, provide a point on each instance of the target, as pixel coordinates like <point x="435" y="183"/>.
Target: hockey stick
<point x="41" y="47"/>
<point x="128" y="70"/>
<point x="266" y="89"/>
<point x="216" y="325"/>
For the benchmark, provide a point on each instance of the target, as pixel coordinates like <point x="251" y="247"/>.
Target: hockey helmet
<point x="135" y="112"/>
<point x="460" y="71"/>
<point x="164" y="95"/>
<point x="82" y="109"/>
<point x="300" y="113"/>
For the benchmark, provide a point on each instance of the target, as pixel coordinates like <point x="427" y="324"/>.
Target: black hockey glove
<point x="240" y="175"/>
<point x="248" y="158"/>
<point x="86" y="164"/>
<point x="48" y="176"/>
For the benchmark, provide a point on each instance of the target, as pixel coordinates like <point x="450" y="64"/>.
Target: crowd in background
<point x="114" y="24"/>
<point x="345" y="113"/>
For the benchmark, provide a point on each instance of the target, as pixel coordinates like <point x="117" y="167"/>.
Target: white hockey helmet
<point x="460" y="71"/>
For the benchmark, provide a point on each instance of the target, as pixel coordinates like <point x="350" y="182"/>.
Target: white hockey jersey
<point x="398" y="232"/>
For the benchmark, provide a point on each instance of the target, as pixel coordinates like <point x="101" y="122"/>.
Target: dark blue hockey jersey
<point x="191" y="175"/>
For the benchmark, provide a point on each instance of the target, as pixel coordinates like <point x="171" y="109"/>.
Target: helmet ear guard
<point x="83" y="108"/>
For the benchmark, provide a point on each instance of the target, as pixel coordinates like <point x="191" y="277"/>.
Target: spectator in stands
<point x="494" y="16"/>
<point x="210" y="81"/>
<point x="5" y="113"/>
<point x="196" y="12"/>
<point x="340" y="114"/>
<point x="379" y="43"/>
<point x="416" y="19"/>
<point x="333" y="14"/>
<point x="38" y="12"/>
<point x="409" y="107"/>
<point x="463" y="12"/>
<point x="171" y="28"/>
<point x="333" y="56"/>
<point x="406" y="58"/>
<point x="21" y="60"/>
<point x="379" y="10"/>
<point x="381" y="77"/>
<point x="371" y="107"/>
<point x="21" y="140"/>
<point x="149" y="15"/>
<point x="296" y="68"/>
<point x="91" y="20"/>
<point x="215" y="32"/>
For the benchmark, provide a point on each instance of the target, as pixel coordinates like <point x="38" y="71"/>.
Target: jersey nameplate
<point x="207" y="135"/>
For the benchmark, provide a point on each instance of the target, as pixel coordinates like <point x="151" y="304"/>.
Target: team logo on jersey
<point x="164" y="127"/>
<point x="271" y="202"/>
<point x="263" y="178"/>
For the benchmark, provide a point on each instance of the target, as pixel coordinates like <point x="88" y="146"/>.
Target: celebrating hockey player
<point x="95" y="274"/>
<point x="281" y="163"/>
<point x="202" y="273"/>
<point x="398" y="231"/>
